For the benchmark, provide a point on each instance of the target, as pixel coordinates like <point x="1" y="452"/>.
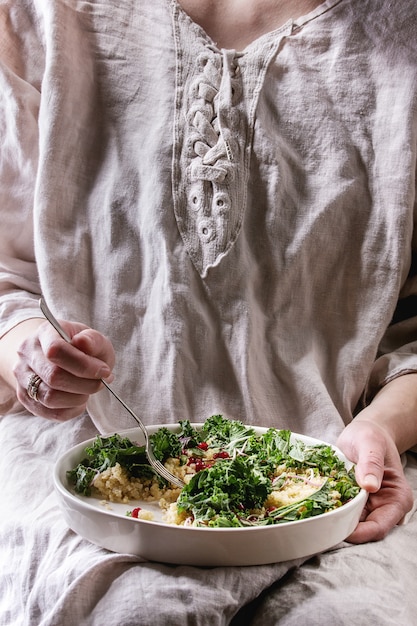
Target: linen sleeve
<point x="398" y="348"/>
<point x="21" y="63"/>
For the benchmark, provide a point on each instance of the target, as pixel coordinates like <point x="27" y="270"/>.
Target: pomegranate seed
<point x="221" y="455"/>
<point x="135" y="512"/>
<point x="203" y="445"/>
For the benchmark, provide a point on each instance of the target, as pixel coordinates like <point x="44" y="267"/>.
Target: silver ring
<point x="33" y="386"/>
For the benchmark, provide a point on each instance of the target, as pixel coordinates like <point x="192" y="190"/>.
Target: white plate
<point x="108" y="526"/>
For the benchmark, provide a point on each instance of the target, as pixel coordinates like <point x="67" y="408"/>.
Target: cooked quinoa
<point x="115" y="485"/>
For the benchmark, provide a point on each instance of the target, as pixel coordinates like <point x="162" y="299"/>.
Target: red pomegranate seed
<point x="203" y="445"/>
<point x="135" y="512"/>
<point x="221" y="455"/>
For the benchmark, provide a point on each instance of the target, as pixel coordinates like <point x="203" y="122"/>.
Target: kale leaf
<point x="215" y="494"/>
<point x="105" y="452"/>
<point x="189" y="436"/>
<point x="225" y="433"/>
<point x="165" y="444"/>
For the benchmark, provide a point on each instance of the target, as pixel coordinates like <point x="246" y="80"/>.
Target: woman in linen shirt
<point x="217" y="199"/>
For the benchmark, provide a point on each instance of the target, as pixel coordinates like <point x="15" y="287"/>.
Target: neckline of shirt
<point x="290" y="26"/>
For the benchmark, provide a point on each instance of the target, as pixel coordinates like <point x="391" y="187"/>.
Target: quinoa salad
<point x="233" y="476"/>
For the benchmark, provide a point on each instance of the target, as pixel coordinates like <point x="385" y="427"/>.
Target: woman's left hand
<point x="378" y="470"/>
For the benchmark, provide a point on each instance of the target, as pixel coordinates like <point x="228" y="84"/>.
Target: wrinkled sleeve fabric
<point x="398" y="349"/>
<point x="21" y="62"/>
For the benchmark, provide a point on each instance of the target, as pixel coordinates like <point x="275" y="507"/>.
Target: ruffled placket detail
<point x="212" y="143"/>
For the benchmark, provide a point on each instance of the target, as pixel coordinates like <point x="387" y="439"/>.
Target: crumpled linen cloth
<point x="50" y="576"/>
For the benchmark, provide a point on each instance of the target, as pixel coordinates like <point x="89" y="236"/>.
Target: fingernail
<point x="103" y="372"/>
<point x="371" y="483"/>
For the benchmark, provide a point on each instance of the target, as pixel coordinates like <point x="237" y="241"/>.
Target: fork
<point x="154" y="462"/>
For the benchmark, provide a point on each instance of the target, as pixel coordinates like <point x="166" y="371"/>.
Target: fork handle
<point x="128" y="409"/>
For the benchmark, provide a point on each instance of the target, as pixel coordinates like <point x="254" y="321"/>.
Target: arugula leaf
<point x="317" y="503"/>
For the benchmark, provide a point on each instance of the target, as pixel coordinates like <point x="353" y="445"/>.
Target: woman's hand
<point x="378" y="470"/>
<point x="69" y="373"/>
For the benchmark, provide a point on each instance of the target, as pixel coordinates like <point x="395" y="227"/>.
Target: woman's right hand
<point x="69" y="373"/>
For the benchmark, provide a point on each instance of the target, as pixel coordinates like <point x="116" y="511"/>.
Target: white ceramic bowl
<point x="107" y="525"/>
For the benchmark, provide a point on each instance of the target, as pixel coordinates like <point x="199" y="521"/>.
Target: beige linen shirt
<point x="239" y="223"/>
